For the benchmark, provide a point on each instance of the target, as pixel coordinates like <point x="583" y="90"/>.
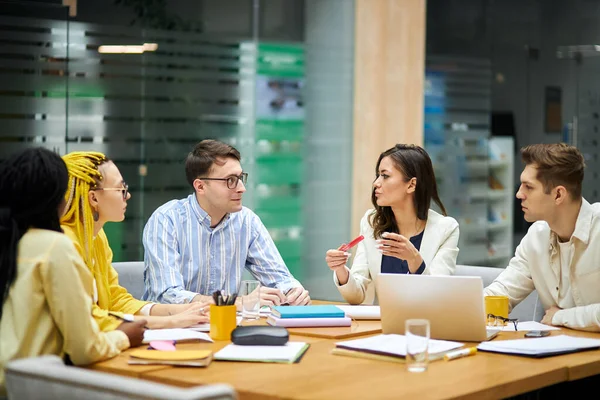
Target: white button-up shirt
<point x="537" y="265"/>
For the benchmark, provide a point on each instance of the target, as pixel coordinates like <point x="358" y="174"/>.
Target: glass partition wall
<point x="272" y="78"/>
<point x="543" y="87"/>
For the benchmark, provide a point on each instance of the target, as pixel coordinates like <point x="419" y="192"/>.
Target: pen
<point x="453" y="355"/>
<point x="124" y="319"/>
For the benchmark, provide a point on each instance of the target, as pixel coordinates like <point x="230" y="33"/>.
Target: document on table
<point x="206" y="327"/>
<point x="529" y="326"/>
<point x="541" y="347"/>
<point x="392" y="344"/>
<point x="177" y="334"/>
<point x="362" y="312"/>
<point x="288" y="353"/>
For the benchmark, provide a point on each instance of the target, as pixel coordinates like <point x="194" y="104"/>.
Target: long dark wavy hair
<point x="32" y="186"/>
<point x="413" y="162"/>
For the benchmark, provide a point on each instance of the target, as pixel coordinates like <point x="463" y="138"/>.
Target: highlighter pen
<point x="453" y="355"/>
<point x="348" y="246"/>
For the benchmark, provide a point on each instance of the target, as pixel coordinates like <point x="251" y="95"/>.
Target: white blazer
<point x="439" y="249"/>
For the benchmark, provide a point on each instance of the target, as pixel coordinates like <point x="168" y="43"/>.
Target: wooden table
<point x="323" y="375"/>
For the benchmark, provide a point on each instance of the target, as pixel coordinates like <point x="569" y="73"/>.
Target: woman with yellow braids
<point x="97" y="194"/>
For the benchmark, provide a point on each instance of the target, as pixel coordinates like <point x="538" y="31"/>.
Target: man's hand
<point x="271" y="297"/>
<point x="547" y="320"/>
<point x="298" y="296"/>
<point x="134" y="331"/>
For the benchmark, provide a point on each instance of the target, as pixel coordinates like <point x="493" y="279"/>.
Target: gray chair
<point x="529" y="309"/>
<point x="131" y="276"/>
<point x="47" y="378"/>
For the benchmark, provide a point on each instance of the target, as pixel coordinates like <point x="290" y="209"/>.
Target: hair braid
<point x="83" y="176"/>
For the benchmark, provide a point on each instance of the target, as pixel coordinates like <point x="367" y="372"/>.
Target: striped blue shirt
<point x="184" y="256"/>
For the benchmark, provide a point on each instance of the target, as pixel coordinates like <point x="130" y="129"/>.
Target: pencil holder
<point x="222" y="321"/>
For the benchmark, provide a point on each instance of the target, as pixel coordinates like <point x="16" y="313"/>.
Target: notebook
<point x="395" y="345"/>
<point x="542" y="347"/>
<point x="289" y="353"/>
<point x="319" y="311"/>
<point x="186" y="358"/>
<point x="453" y="305"/>
<point x="308" y="322"/>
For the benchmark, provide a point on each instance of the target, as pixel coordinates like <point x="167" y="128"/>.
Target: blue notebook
<point x="320" y="311"/>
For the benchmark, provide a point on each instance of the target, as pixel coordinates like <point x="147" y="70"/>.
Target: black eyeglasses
<point x="494" y="320"/>
<point x="124" y="189"/>
<point x="232" y="181"/>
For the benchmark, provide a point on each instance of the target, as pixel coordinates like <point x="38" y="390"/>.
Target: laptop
<point x="453" y="305"/>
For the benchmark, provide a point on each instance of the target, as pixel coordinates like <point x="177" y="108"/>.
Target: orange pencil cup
<point x="222" y="321"/>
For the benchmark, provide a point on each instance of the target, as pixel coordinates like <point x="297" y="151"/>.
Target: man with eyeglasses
<point x="559" y="256"/>
<point x="201" y="244"/>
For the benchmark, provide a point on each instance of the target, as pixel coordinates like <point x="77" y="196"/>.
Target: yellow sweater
<point x="48" y="311"/>
<point x="111" y="296"/>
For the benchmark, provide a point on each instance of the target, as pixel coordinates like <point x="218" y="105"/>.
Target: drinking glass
<point x="250" y="293"/>
<point x="417" y="343"/>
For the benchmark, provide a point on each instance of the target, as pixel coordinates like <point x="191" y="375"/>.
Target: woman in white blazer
<point x="402" y="235"/>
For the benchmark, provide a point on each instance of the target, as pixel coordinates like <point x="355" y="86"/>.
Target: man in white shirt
<point x="560" y="254"/>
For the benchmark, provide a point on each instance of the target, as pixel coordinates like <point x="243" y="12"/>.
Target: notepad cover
<point x="308" y="322"/>
<point x="318" y="311"/>
<point x="181" y="358"/>
<point x="178" y="355"/>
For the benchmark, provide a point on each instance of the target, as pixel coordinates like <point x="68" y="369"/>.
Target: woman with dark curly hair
<point x="402" y="234"/>
<point x="45" y="306"/>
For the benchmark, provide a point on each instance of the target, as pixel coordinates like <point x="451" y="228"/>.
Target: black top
<point x="393" y="265"/>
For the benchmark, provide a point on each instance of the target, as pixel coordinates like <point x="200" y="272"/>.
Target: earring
<point x="95" y="215"/>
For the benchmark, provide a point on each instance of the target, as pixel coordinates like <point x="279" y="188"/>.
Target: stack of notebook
<point x="308" y="316"/>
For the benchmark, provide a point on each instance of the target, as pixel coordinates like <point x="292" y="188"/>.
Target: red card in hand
<point x="348" y="246"/>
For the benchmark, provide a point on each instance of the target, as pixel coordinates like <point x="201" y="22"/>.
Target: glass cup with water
<point x="250" y="293"/>
<point x="417" y="344"/>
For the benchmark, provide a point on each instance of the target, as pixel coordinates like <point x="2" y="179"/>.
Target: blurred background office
<point x="310" y="91"/>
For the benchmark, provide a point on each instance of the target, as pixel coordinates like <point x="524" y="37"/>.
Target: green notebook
<point x="320" y="311"/>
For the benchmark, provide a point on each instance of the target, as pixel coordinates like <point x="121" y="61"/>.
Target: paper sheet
<point x="177" y="334"/>
<point x="206" y="327"/>
<point x="362" y="312"/>
<point x="529" y="326"/>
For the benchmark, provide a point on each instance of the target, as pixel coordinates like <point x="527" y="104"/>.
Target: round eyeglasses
<point x="495" y="320"/>
<point x="232" y="181"/>
<point x="124" y="189"/>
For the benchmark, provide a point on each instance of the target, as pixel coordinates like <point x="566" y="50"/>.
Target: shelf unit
<point x="473" y="170"/>
<point x="501" y="200"/>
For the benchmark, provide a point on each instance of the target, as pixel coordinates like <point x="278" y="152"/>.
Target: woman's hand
<point x="398" y="246"/>
<point x="196" y="313"/>
<point x="134" y="331"/>
<point x="336" y="260"/>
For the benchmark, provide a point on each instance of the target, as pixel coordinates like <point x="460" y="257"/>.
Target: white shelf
<point x="494" y="194"/>
<point x="499" y="163"/>
<point x="496" y="226"/>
